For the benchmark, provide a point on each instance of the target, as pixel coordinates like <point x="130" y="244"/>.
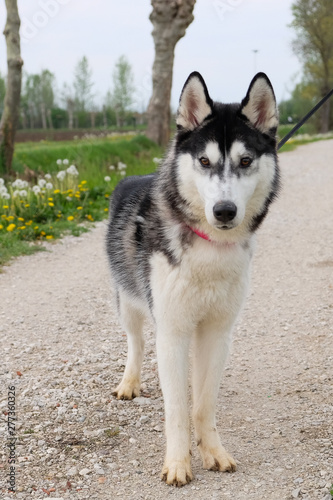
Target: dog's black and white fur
<point x="180" y="243"/>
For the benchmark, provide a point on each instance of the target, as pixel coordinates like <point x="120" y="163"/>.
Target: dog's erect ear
<point x="194" y="104"/>
<point x="259" y="105"/>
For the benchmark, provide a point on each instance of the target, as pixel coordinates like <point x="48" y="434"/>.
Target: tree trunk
<point x="31" y="115"/>
<point x="70" y="110"/>
<point x="24" y="119"/>
<point x="105" y="120"/>
<point x="49" y="118"/>
<point x="43" y="113"/>
<point x="11" y="111"/>
<point x="170" y="19"/>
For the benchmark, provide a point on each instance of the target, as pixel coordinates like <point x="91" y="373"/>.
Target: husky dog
<point x="180" y="243"/>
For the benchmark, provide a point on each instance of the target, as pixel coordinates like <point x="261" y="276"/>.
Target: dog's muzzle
<point x="225" y="212"/>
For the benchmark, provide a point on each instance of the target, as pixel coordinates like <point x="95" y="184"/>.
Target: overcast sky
<point x="219" y="43"/>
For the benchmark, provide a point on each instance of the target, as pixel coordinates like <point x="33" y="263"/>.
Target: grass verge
<point x="70" y="190"/>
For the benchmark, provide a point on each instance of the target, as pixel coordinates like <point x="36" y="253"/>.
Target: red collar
<point x="200" y="233"/>
<point x="205" y="236"/>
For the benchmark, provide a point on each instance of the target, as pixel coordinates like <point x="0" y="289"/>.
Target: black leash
<point x="304" y="119"/>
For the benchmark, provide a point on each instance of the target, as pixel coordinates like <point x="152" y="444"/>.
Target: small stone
<point x="72" y="471"/>
<point x="132" y="440"/>
<point x="84" y="472"/>
<point x="142" y="401"/>
<point x="295" y="492"/>
<point x="41" y="442"/>
<point x="98" y="469"/>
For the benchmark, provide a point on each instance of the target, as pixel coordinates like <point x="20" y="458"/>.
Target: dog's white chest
<point x="208" y="281"/>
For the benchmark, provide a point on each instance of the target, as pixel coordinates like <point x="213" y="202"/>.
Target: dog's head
<point x="226" y="154"/>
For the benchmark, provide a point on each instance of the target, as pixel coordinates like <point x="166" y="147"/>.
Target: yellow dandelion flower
<point x="70" y="217"/>
<point x="5" y="207"/>
<point x="28" y="223"/>
<point x="21" y="227"/>
<point x="106" y="195"/>
<point x="56" y="191"/>
<point x="1" y="226"/>
<point x="51" y="204"/>
<point x="10" y="217"/>
<point x="49" y="237"/>
<point x="79" y="208"/>
<point x="43" y="233"/>
<point x="3" y="216"/>
<point x="11" y="227"/>
<point x="84" y="182"/>
<point x="27" y="205"/>
<point x="36" y="227"/>
<point x="77" y="195"/>
<point x="106" y="209"/>
<point x="20" y="219"/>
<point x="50" y="199"/>
<point x="89" y="217"/>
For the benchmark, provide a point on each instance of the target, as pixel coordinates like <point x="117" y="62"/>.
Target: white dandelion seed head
<point x="112" y="167"/>
<point x="48" y="176"/>
<point x="123" y="173"/>
<point x="121" y="166"/>
<point x="16" y="193"/>
<point x="23" y="193"/>
<point x="36" y="189"/>
<point x="69" y="198"/>
<point x="2" y="181"/>
<point x="61" y="175"/>
<point x="72" y="170"/>
<point x="157" y="160"/>
<point x="65" y="161"/>
<point x="18" y="184"/>
<point x="6" y="196"/>
<point x="49" y="185"/>
<point x="3" y="190"/>
<point x="59" y="162"/>
<point x="107" y="178"/>
<point x="42" y="183"/>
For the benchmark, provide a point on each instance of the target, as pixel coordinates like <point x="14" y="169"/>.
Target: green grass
<point x="71" y="204"/>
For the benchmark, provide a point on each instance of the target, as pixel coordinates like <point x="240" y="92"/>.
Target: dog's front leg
<point x="172" y="354"/>
<point x="211" y="348"/>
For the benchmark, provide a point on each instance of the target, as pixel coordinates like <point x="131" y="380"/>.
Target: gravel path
<point x="63" y="350"/>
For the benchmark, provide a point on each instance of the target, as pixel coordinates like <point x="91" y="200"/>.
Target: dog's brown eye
<point x="204" y="162"/>
<point x="245" y="162"/>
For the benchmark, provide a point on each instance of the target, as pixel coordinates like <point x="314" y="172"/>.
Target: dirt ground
<point x="63" y="351"/>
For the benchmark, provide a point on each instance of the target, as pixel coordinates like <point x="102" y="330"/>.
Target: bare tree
<point x="170" y="19"/>
<point x="11" y="111"/>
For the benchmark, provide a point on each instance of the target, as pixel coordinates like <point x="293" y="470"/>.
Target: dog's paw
<point x="177" y="472"/>
<point x="217" y="459"/>
<point x="127" y="389"/>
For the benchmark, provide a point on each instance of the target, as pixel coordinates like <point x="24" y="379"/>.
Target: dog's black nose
<point x="225" y="212"/>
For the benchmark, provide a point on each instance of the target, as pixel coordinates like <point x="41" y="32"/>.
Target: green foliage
<point x="123" y="88"/>
<point x="313" y="23"/>
<point x="83" y="85"/>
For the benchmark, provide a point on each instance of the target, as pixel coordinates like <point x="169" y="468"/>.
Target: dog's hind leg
<point x="211" y="347"/>
<point x="132" y="321"/>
